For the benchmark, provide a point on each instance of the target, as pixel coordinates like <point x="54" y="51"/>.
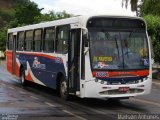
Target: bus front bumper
<point x="96" y="89"/>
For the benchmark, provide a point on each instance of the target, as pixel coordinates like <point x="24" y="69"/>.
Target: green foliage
<point x="21" y="1"/>
<point x="23" y="12"/>
<point x="26" y="13"/>
<point x="154" y="31"/>
<point x="3" y="40"/>
<point x="4" y="19"/>
<point x="153" y="24"/>
<point x="31" y="14"/>
<point x="150" y="7"/>
<point x="6" y="15"/>
<point x="52" y="16"/>
<point x="7" y="10"/>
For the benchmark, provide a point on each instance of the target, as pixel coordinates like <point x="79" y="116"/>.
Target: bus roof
<point x="82" y="20"/>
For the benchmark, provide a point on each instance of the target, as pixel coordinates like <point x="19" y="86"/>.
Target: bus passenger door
<point x="74" y="61"/>
<point x="14" y="55"/>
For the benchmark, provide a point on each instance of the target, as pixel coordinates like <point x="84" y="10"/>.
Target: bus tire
<point x="22" y="77"/>
<point x="63" y="89"/>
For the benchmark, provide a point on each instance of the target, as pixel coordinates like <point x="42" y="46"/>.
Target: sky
<point x="85" y="7"/>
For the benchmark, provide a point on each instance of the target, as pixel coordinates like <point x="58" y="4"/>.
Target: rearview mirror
<point x="151" y="47"/>
<point x="85" y="37"/>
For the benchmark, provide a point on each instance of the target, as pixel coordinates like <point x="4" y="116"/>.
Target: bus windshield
<point x="118" y="50"/>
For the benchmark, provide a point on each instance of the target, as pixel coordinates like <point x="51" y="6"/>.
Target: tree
<point x="143" y="7"/>
<point x="30" y="14"/>
<point x="153" y="26"/>
<point x="26" y="13"/>
<point x="150" y="11"/>
<point x="2" y="40"/>
<point x="150" y="7"/>
<point x="133" y="3"/>
<point x="53" y="16"/>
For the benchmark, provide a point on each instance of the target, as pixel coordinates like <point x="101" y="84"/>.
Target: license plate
<point x="123" y="89"/>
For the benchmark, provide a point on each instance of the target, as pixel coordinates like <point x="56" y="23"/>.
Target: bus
<point x="99" y="56"/>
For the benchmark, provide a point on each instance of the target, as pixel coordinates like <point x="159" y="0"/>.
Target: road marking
<point x="156" y="83"/>
<point x="3" y="84"/>
<point x="81" y="118"/>
<point x="50" y="104"/>
<point x="33" y="97"/>
<point x="22" y="92"/>
<point x="11" y="88"/>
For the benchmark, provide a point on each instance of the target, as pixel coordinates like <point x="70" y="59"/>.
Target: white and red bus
<point x="86" y="56"/>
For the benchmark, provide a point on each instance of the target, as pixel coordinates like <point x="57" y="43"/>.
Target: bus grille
<point x="117" y="92"/>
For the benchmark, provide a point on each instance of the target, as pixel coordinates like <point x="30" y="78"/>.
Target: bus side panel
<point x="9" y="61"/>
<point x="17" y="68"/>
<point x="41" y="68"/>
<point x="21" y="61"/>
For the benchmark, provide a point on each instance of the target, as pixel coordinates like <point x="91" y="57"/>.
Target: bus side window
<point x="37" y="40"/>
<point x="49" y="38"/>
<point x="20" y="41"/>
<point x="29" y="40"/>
<point x="10" y="41"/>
<point x="62" y="37"/>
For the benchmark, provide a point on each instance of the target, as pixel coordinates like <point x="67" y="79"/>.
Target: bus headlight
<point x="105" y="82"/>
<point x="102" y="82"/>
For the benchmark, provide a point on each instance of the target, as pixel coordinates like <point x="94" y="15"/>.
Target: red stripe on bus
<point x="137" y="73"/>
<point x="134" y="73"/>
<point x="38" y="54"/>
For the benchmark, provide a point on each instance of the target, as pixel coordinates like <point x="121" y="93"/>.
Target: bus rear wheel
<point x="63" y="89"/>
<point x="22" y="77"/>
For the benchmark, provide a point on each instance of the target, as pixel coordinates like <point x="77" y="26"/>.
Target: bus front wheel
<point x="63" y="89"/>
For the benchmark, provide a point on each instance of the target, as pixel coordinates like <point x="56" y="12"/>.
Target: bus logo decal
<point x="58" y="60"/>
<point x="37" y="64"/>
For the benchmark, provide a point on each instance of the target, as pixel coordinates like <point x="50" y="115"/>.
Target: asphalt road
<point x="34" y="102"/>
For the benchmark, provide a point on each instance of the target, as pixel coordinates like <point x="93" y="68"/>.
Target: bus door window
<point x="10" y="41"/>
<point x="62" y="39"/>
